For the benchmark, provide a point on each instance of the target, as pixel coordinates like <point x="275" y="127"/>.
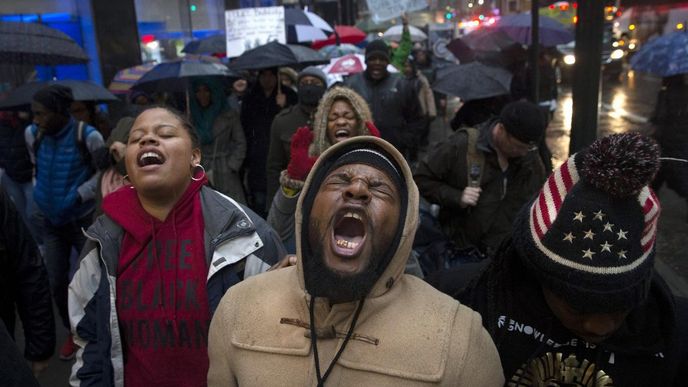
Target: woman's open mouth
<point x="349" y="234"/>
<point x="150" y="157"/>
<point x="342" y="134"/>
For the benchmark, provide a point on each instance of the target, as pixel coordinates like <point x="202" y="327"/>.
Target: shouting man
<point x="346" y="313"/>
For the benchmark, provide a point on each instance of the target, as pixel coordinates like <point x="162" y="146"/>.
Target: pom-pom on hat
<point x="589" y="236"/>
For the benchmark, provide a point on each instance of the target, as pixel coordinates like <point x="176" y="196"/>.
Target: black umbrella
<point x="175" y="76"/>
<point x="82" y="91"/>
<point x="210" y="45"/>
<point x="275" y="54"/>
<point x="487" y="45"/>
<point x="36" y="44"/>
<point x="473" y="80"/>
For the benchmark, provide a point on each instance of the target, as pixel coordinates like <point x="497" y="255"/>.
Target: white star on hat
<point x="606" y="247"/>
<point x="569" y="237"/>
<point x="579" y="216"/>
<point x="599" y="215"/>
<point x="608" y="227"/>
<point x="589" y="235"/>
<point x="622" y="234"/>
<point x="622" y="254"/>
<point x="588" y="253"/>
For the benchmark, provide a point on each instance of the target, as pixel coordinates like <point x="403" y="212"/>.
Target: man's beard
<point x="321" y="281"/>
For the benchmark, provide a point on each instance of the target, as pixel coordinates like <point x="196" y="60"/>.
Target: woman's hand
<point x="300" y="163"/>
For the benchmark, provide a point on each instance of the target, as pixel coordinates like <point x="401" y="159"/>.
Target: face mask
<point x="310" y="95"/>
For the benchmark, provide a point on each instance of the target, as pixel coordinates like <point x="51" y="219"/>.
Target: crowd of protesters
<point x="275" y="235"/>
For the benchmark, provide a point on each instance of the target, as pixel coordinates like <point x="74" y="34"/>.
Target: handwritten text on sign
<point x="249" y="28"/>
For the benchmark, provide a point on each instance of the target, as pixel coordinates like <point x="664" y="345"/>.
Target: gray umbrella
<point x="82" y="91"/>
<point x="36" y="44"/>
<point x="473" y="80"/>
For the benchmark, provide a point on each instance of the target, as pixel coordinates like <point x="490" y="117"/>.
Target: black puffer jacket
<point x="24" y="284"/>
<point x="14" y="156"/>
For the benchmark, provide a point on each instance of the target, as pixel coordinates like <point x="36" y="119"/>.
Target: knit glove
<point x="372" y="129"/>
<point x="300" y="162"/>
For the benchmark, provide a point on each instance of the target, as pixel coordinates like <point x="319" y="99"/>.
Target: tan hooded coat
<point x="408" y="334"/>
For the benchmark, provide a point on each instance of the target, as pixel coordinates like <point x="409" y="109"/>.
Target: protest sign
<point x="249" y="28"/>
<point x="382" y="10"/>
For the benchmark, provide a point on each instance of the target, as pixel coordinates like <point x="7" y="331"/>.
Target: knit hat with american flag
<point x="589" y="236"/>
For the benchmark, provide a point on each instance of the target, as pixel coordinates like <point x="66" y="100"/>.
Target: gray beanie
<point x="313" y="72"/>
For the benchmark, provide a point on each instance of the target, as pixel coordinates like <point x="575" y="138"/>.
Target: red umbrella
<point x="347" y="64"/>
<point x="347" y="34"/>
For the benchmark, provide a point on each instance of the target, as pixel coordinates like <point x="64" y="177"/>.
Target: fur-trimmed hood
<point x="360" y="106"/>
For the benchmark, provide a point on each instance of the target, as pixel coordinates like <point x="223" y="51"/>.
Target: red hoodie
<point x="162" y="301"/>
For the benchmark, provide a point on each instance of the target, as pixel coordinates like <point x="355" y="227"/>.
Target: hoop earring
<point x="192" y="173"/>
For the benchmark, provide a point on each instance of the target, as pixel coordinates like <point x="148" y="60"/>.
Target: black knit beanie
<point x="56" y="98"/>
<point x="377" y="47"/>
<point x="589" y="236"/>
<point x="524" y="121"/>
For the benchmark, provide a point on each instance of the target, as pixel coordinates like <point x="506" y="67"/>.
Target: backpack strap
<point x="475" y="159"/>
<point x="81" y="133"/>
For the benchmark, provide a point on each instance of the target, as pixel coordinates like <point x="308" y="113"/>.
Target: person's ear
<point x="195" y="156"/>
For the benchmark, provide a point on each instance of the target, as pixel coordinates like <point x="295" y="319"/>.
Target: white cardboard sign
<point x="383" y="10"/>
<point x="249" y="28"/>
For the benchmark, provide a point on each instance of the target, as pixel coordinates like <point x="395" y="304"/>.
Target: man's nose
<point x="357" y="191"/>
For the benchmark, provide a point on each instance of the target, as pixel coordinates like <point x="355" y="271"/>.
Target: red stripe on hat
<point x="566" y="177"/>
<point x="543" y="209"/>
<point x="536" y="223"/>
<point x="646" y="247"/>
<point x="556" y="195"/>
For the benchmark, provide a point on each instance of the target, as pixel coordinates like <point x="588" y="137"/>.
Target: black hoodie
<point x="649" y="349"/>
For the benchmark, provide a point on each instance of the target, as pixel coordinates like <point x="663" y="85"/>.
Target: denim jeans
<point x="58" y="244"/>
<point x="22" y="196"/>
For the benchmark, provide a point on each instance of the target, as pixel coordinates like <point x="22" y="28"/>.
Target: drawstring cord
<point x="314" y="340"/>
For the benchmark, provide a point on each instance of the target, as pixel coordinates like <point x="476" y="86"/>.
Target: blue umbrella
<point x="518" y="27"/>
<point x="663" y="56"/>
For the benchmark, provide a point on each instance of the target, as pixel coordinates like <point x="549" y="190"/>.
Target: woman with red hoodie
<point x="159" y="261"/>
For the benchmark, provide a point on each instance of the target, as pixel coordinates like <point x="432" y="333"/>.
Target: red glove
<point x="300" y="162"/>
<point x="372" y="129"/>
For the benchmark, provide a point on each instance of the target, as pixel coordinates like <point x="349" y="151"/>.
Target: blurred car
<point x="613" y="57"/>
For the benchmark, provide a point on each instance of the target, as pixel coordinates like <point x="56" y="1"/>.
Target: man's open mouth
<point x="349" y="234"/>
<point x="150" y="157"/>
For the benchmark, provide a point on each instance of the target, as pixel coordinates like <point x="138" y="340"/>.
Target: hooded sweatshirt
<point x="406" y="334"/>
<point x="162" y="302"/>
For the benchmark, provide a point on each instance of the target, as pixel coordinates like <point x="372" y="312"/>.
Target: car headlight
<point x="617" y="54"/>
<point x="569" y="59"/>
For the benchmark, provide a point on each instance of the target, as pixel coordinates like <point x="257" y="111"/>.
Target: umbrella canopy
<point x="125" y="79"/>
<point x="368" y="25"/>
<point x="304" y="26"/>
<point x="472" y="81"/>
<point x="350" y="64"/>
<point x="487" y="45"/>
<point x="275" y="54"/>
<point x="664" y="56"/>
<point x="36" y="44"/>
<point x="346" y="34"/>
<point x="210" y="45"/>
<point x="341" y="50"/>
<point x="81" y="90"/>
<point x="175" y="76"/>
<point x="394" y="33"/>
<point x="518" y="27"/>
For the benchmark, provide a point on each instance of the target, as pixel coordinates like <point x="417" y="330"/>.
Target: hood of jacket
<point x="409" y="223"/>
<point x="320" y="140"/>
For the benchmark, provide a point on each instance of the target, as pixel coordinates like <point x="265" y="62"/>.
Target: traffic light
<point x="193" y="7"/>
